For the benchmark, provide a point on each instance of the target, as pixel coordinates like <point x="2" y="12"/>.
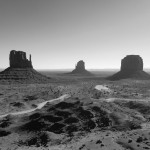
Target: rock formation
<point x="80" y="69"/>
<point x="131" y="67"/>
<point x="18" y="60"/>
<point x="21" y="69"/>
<point x="131" y="63"/>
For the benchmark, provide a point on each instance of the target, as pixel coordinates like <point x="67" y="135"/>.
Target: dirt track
<point x="39" y="106"/>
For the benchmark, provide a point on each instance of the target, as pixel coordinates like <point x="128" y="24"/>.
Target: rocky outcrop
<point x="132" y="63"/>
<point x="21" y="70"/>
<point x="131" y="67"/>
<point x="80" y="69"/>
<point x="18" y="59"/>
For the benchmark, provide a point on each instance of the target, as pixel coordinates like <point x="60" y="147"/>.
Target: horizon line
<point x="69" y="68"/>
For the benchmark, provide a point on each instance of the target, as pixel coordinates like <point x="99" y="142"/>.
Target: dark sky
<point x="58" y="33"/>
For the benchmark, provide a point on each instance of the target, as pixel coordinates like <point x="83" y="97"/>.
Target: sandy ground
<point x="99" y="115"/>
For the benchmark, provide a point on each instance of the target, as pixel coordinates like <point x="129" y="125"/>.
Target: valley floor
<point x="97" y="115"/>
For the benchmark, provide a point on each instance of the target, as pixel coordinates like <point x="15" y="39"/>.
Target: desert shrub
<point x="71" y="120"/>
<point x="4" y="133"/>
<point x="5" y="124"/>
<point x="52" y="118"/>
<point x="97" y="94"/>
<point x="64" y="114"/>
<point x="64" y="105"/>
<point x="89" y="125"/>
<point x="17" y="104"/>
<point x="103" y="122"/>
<point x="115" y="119"/>
<point x="84" y="114"/>
<point x="35" y="116"/>
<point x="32" y="141"/>
<point x="33" y="126"/>
<point x="98" y="111"/>
<point x="71" y="128"/>
<point x="30" y="98"/>
<point x="41" y="139"/>
<point x="44" y="139"/>
<point x="139" y="139"/>
<point x="56" y="128"/>
<point x="52" y="108"/>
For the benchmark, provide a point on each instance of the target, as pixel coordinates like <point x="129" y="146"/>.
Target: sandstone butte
<point x="80" y="69"/>
<point x="131" y="67"/>
<point x="21" y="69"/>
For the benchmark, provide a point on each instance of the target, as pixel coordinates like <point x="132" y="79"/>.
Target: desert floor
<point x="75" y="113"/>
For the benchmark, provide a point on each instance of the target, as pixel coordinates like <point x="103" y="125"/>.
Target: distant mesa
<point x="80" y="69"/>
<point x="21" y="69"/>
<point x="131" y="67"/>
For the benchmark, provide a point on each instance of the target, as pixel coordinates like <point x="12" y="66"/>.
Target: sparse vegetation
<point x="86" y="112"/>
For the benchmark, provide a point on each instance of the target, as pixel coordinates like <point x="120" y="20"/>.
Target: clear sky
<point x="58" y="33"/>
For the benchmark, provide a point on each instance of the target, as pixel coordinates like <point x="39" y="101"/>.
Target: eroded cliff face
<point x="132" y="63"/>
<point x="18" y="59"/>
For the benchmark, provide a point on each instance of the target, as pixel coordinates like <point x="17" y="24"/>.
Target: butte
<point x="131" y="67"/>
<point x="21" y="69"/>
<point x="80" y="69"/>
